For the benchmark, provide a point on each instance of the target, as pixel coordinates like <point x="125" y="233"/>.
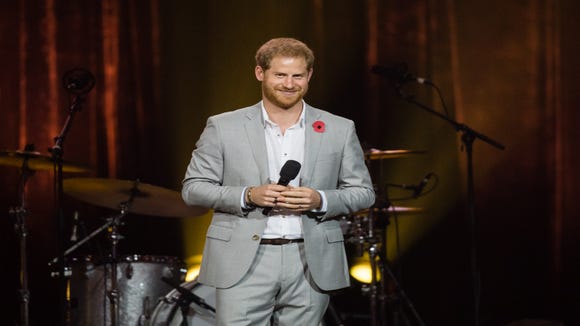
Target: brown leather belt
<point x="279" y="241"/>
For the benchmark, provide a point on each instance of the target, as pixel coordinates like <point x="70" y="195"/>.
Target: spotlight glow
<point x="361" y="270"/>
<point x="193" y="264"/>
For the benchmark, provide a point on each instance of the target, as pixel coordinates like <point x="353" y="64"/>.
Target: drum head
<point x="139" y="288"/>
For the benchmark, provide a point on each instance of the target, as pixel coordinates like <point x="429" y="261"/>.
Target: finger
<point x="302" y="207"/>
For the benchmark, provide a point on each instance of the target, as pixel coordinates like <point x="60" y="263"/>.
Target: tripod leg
<point x="401" y="296"/>
<point x="331" y="311"/>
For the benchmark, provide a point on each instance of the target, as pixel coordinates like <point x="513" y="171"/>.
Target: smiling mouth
<point x="288" y="91"/>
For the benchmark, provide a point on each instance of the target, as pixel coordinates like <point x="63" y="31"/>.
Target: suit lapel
<point x="313" y="143"/>
<point x="255" y="133"/>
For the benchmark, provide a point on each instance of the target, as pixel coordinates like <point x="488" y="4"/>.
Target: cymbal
<point x="36" y="161"/>
<point x="376" y="154"/>
<point x="393" y="210"/>
<point x="148" y="199"/>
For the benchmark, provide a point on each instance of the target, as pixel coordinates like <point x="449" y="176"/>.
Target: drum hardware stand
<point x="18" y="215"/>
<point x="114" y="237"/>
<point x="331" y="310"/>
<point x="79" y="243"/>
<point x="468" y="136"/>
<point x="186" y="297"/>
<point x="379" y="266"/>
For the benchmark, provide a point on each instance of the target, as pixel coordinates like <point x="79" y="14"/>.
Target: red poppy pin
<point x="318" y="126"/>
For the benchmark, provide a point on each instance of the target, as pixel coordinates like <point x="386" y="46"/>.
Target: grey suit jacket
<point x="231" y="155"/>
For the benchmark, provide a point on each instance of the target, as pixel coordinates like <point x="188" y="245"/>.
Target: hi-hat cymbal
<point x="376" y="154"/>
<point x="391" y="210"/>
<point x="36" y="161"/>
<point x="148" y="199"/>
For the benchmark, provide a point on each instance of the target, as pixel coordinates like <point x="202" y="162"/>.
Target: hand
<point x="267" y="195"/>
<point x="299" y="199"/>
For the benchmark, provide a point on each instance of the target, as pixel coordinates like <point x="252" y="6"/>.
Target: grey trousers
<point x="277" y="290"/>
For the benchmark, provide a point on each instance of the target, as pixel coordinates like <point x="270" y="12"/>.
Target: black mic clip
<point x="418" y="188"/>
<point x="399" y="74"/>
<point x="78" y="81"/>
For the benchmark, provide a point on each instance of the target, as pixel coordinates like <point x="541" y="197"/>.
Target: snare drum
<point x="169" y="313"/>
<point x="139" y="287"/>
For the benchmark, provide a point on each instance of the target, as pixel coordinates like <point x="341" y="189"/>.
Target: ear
<point x="259" y="73"/>
<point x="310" y="73"/>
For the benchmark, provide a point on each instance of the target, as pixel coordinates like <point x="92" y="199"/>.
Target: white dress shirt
<point x="281" y="148"/>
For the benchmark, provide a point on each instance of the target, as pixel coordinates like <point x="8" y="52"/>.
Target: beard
<point x="285" y="102"/>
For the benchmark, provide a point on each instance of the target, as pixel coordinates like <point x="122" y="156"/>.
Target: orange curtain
<point x="112" y="134"/>
<point x="506" y="69"/>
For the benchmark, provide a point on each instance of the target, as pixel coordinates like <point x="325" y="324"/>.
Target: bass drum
<point x="169" y="313"/>
<point x="139" y="286"/>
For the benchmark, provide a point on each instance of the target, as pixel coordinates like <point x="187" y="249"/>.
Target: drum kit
<point x="150" y="290"/>
<point x="120" y="289"/>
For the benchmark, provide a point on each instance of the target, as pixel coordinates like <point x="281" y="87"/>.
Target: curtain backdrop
<point x="505" y="69"/>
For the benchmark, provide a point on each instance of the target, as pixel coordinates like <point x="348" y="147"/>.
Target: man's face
<point x="286" y="82"/>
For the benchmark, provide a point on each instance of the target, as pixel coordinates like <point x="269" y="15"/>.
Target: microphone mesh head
<point x="290" y="170"/>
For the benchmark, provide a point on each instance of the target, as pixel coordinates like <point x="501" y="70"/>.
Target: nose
<point x="288" y="82"/>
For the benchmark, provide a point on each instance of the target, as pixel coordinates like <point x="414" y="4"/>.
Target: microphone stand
<point x="186" y="297"/>
<point x="57" y="157"/>
<point x="78" y="82"/>
<point x="468" y="137"/>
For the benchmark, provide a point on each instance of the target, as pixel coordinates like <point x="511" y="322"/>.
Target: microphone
<point x="418" y="189"/>
<point x="399" y="73"/>
<point x="189" y="296"/>
<point x="288" y="172"/>
<point x="78" y="81"/>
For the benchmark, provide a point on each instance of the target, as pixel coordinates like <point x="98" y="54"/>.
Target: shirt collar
<point x="266" y="119"/>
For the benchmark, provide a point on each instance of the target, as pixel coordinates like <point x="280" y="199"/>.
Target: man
<point x="278" y="266"/>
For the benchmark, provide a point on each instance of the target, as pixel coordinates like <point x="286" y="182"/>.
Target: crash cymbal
<point x="36" y="161"/>
<point x="392" y="210"/>
<point x="376" y="154"/>
<point x="148" y="199"/>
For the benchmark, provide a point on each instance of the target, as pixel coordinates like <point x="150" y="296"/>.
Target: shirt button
<point x="255" y="237"/>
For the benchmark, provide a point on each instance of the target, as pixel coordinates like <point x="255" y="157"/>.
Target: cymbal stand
<point x="112" y="228"/>
<point x="18" y="215"/>
<point x="79" y="243"/>
<point x="114" y="238"/>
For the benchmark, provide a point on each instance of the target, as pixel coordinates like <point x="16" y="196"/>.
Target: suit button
<point x="255" y="237"/>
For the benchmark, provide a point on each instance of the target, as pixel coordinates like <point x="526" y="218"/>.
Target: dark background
<point x="506" y="69"/>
